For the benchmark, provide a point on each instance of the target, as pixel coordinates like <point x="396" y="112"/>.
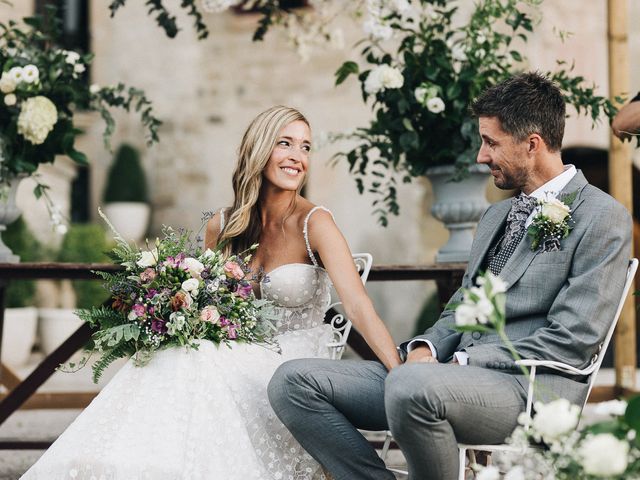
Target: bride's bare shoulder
<point x="214" y="227"/>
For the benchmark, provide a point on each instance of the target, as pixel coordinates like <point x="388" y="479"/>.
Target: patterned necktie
<point x="521" y="207"/>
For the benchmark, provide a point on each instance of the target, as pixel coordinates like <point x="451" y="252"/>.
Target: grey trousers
<point x="428" y="408"/>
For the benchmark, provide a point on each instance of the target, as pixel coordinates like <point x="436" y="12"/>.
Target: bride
<point x="204" y="414"/>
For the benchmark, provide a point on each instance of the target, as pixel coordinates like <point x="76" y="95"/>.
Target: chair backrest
<point x="340" y="324"/>
<point x="599" y="356"/>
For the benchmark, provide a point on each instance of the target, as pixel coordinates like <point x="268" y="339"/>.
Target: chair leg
<point x="462" y="458"/>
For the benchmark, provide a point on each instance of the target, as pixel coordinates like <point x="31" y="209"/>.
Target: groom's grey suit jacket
<point x="559" y="304"/>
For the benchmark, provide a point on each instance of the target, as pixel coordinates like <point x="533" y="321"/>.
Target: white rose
<point x="10" y="100"/>
<point x="7" y="84"/>
<point x="435" y="105"/>
<point x="555" y="419"/>
<point x="379" y="31"/>
<point x="458" y="52"/>
<point x="94" y="88"/>
<point x="480" y="38"/>
<point x="30" y="74"/>
<point x="16" y="74"/>
<point x="516" y="473"/>
<point x="37" y="117"/>
<point x="421" y="94"/>
<point x="604" y="455"/>
<point x="71" y="57"/>
<point x="148" y="258"/>
<point x="78" y="68"/>
<point x="555" y="210"/>
<point x="383" y="77"/>
<point x="489" y="473"/>
<point x="190" y="285"/>
<point x="612" y="408"/>
<point x="194" y="267"/>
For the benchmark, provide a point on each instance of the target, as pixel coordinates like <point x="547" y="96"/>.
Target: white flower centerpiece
<point x="41" y="86"/>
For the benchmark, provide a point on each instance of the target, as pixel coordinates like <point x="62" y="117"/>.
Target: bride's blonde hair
<point x="244" y="226"/>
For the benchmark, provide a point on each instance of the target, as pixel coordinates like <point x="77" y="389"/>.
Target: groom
<point x="464" y="387"/>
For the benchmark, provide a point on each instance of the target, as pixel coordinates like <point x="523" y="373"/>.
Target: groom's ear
<point x="535" y="143"/>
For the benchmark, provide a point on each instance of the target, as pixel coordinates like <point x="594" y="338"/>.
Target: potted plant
<point x="420" y="96"/>
<point x="20" y="315"/>
<point x="125" y="196"/>
<point x="83" y="243"/>
<point x="41" y="85"/>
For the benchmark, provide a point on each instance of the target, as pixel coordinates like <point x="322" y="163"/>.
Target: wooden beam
<point x="620" y="173"/>
<point x="48" y="400"/>
<point x="8" y="378"/>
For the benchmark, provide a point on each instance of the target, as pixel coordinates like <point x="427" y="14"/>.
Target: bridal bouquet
<point x="174" y="294"/>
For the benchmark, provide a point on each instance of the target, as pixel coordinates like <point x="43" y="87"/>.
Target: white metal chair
<point x="591" y="371"/>
<point x="340" y="324"/>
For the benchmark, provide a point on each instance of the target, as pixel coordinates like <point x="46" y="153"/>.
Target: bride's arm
<point x="328" y="241"/>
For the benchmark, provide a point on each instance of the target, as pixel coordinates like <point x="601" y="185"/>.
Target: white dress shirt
<point x="548" y="191"/>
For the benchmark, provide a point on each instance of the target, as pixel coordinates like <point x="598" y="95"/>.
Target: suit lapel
<point x="487" y="234"/>
<point x="523" y="255"/>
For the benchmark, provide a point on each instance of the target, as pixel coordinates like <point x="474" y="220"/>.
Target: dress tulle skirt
<point x="188" y="414"/>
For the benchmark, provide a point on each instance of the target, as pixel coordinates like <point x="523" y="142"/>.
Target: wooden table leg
<point x="22" y="392"/>
<point x="3" y="287"/>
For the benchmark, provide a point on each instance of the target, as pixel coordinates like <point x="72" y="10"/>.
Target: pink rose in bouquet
<point x="233" y="270"/>
<point x="210" y="314"/>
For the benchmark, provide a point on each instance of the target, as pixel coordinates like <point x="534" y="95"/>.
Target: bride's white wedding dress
<point x="201" y="414"/>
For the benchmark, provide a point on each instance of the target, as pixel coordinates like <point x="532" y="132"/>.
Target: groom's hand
<point x="421" y="354"/>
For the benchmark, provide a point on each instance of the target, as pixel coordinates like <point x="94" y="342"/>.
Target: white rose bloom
<point x="148" y="258"/>
<point x="458" y="52"/>
<point x="516" y="473"/>
<point x="604" y="455"/>
<point x="79" y="68"/>
<point x="421" y="94"/>
<point x="37" y="117"/>
<point x="555" y="419"/>
<point x="194" y="267"/>
<point x="489" y="473"/>
<point x="435" y="105"/>
<point x="377" y="30"/>
<point x="10" y="100"/>
<point x="94" y="88"/>
<point x="190" y="285"/>
<point x="30" y="74"/>
<point x="71" y="57"/>
<point x="555" y="210"/>
<point x="481" y="38"/>
<point x="612" y="408"/>
<point x="7" y="84"/>
<point x="466" y="315"/>
<point x="16" y="74"/>
<point x="383" y="77"/>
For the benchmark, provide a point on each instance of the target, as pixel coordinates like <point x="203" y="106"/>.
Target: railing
<point x="22" y="393"/>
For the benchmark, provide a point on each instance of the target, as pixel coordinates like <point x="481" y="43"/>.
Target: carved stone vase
<point x="459" y="205"/>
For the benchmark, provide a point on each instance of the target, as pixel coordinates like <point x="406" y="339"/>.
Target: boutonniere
<point x="551" y="223"/>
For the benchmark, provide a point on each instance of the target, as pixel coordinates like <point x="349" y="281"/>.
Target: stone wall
<point x="207" y="91"/>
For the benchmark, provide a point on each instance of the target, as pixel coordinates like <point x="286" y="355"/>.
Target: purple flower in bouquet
<point x="151" y="293"/>
<point x="231" y="332"/>
<point x="223" y="321"/>
<point x="244" y="290"/>
<point x="148" y="275"/>
<point x="175" y="262"/>
<point x="158" y="325"/>
<point x="137" y="311"/>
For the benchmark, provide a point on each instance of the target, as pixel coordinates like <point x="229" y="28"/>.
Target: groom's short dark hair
<point x="525" y="104"/>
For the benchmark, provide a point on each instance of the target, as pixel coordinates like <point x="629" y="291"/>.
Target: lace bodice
<point x="300" y="292"/>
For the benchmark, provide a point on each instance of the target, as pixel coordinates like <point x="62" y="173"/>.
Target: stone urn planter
<point x="55" y="326"/>
<point x="459" y="205"/>
<point x="9" y="213"/>
<point x="19" y="335"/>
<point x="130" y="219"/>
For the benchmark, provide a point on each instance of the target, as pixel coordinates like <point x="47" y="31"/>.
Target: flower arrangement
<point x="605" y="449"/>
<point x="41" y="87"/>
<point x="420" y="93"/>
<point x="174" y="294"/>
<point x="551" y="223"/>
<point x="549" y="446"/>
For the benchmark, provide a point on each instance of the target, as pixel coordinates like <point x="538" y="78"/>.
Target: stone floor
<point x="48" y="424"/>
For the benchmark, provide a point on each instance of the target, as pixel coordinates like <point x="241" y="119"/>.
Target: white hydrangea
<point x="30" y="74"/>
<point x="612" y="408"/>
<point x="604" y="455"/>
<point x="383" y="77"/>
<point x="7" y="83"/>
<point x="554" y="419"/>
<point x="435" y="105"/>
<point x="37" y="117"/>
